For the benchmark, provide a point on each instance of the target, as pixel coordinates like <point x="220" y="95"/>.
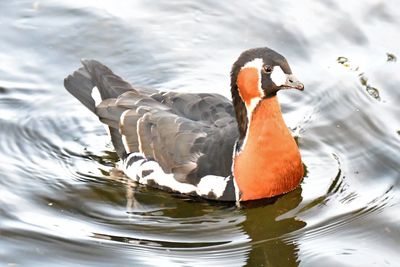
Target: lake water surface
<point x="63" y="204"/>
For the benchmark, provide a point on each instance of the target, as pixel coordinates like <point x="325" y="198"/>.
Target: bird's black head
<point x="257" y="74"/>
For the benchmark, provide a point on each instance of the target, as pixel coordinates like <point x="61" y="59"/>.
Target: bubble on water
<point x="391" y="57"/>
<point x="372" y="91"/>
<point x="344" y="61"/>
<point x="363" y="80"/>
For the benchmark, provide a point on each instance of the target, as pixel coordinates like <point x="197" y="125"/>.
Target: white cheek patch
<point x="278" y="76"/>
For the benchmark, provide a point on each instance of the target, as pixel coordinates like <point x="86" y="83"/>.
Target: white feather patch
<point x="124" y="139"/>
<point x="131" y="170"/>
<point x="255" y="63"/>
<point x="212" y="183"/>
<point x="237" y="191"/>
<point x="253" y="104"/>
<point x="157" y="175"/>
<point x="138" y="135"/>
<point x="258" y="64"/>
<point x="161" y="178"/>
<point x="278" y="76"/>
<point x="96" y="96"/>
<point x="207" y="184"/>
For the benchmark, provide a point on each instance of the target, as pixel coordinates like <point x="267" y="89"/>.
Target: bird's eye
<point x="267" y="69"/>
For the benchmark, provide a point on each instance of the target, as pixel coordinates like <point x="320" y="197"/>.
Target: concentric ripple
<point x="63" y="201"/>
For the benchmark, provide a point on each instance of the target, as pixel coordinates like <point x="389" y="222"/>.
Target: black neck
<point x="240" y="110"/>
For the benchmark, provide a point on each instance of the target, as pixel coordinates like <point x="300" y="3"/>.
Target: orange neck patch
<point x="269" y="163"/>
<point x="248" y="82"/>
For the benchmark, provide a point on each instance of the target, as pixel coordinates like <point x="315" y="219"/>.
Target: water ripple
<point x="63" y="199"/>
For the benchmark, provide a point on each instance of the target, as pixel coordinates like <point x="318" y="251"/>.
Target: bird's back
<point x="189" y="135"/>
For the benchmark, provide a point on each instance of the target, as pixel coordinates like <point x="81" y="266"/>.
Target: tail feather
<point x="109" y="84"/>
<point x="80" y="85"/>
<point x="94" y="74"/>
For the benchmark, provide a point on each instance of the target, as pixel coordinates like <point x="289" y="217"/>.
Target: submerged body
<point x="201" y="144"/>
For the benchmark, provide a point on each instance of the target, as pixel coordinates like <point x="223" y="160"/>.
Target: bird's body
<point x="200" y="144"/>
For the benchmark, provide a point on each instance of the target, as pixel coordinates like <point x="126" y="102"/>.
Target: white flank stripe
<point x="212" y="183"/>
<point x="163" y="179"/>
<point x="157" y="175"/>
<point x="207" y="184"/>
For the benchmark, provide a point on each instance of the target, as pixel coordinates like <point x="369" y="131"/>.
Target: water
<point x="63" y="204"/>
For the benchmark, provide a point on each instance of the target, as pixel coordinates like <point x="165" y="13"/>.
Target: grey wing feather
<point x="190" y="135"/>
<point x="197" y="107"/>
<point x="189" y="149"/>
<point x="109" y="113"/>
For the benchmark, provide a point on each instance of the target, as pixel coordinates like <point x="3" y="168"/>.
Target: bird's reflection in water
<point x="269" y="232"/>
<point x="132" y="204"/>
<point x="264" y="222"/>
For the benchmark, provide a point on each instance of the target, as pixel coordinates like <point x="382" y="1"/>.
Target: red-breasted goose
<point x="201" y="144"/>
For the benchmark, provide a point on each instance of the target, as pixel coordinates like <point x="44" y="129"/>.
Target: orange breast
<point x="269" y="163"/>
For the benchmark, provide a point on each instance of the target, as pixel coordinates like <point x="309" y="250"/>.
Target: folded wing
<point x="189" y="135"/>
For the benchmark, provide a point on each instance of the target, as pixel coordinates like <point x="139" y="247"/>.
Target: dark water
<point x="61" y="202"/>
